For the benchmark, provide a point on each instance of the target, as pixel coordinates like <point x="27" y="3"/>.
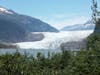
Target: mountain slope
<point x="27" y="22"/>
<point x="10" y="31"/>
<point x="17" y="28"/>
<point x="86" y="26"/>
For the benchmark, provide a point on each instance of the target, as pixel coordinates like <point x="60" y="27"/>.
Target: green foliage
<point x="87" y="62"/>
<point x="93" y="42"/>
<point x="17" y="64"/>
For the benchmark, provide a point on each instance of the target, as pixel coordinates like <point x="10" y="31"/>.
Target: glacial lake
<point x="29" y="52"/>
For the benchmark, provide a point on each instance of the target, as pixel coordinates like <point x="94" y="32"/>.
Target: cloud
<point x="66" y="22"/>
<point x="61" y="20"/>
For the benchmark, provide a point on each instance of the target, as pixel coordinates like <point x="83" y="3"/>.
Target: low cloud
<point x="63" y="23"/>
<point x="60" y="21"/>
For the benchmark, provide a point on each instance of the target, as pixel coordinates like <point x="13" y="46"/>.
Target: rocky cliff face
<point x="7" y="45"/>
<point x="74" y="45"/>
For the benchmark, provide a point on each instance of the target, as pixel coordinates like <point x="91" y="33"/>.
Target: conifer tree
<point x="94" y="11"/>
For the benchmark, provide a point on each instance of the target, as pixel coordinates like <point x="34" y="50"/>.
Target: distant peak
<point x="4" y="10"/>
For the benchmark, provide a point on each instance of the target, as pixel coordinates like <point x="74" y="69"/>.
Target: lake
<point x="30" y="52"/>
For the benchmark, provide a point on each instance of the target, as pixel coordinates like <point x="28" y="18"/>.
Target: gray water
<point x="30" y="52"/>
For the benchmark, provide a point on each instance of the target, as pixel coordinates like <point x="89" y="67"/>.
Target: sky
<point x="58" y="13"/>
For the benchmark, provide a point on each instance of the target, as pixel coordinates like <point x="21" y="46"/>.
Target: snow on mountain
<point x="4" y="10"/>
<point x="86" y="26"/>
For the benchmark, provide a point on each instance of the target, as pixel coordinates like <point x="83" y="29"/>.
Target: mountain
<point x="86" y="26"/>
<point x="29" y="23"/>
<point x="17" y="28"/>
<point x="74" y="45"/>
<point x="7" y="45"/>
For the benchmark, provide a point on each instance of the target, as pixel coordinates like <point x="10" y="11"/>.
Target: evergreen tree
<point x="94" y="11"/>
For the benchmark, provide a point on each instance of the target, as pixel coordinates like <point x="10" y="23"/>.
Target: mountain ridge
<point x="86" y="26"/>
<point x="16" y="27"/>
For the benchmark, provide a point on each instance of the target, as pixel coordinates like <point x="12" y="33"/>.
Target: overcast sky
<point x="58" y="13"/>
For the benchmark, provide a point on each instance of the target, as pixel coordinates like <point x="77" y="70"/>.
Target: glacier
<point x="53" y="40"/>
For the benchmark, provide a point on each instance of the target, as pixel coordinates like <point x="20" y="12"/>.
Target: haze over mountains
<point x="17" y="28"/>
<point x="86" y="26"/>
